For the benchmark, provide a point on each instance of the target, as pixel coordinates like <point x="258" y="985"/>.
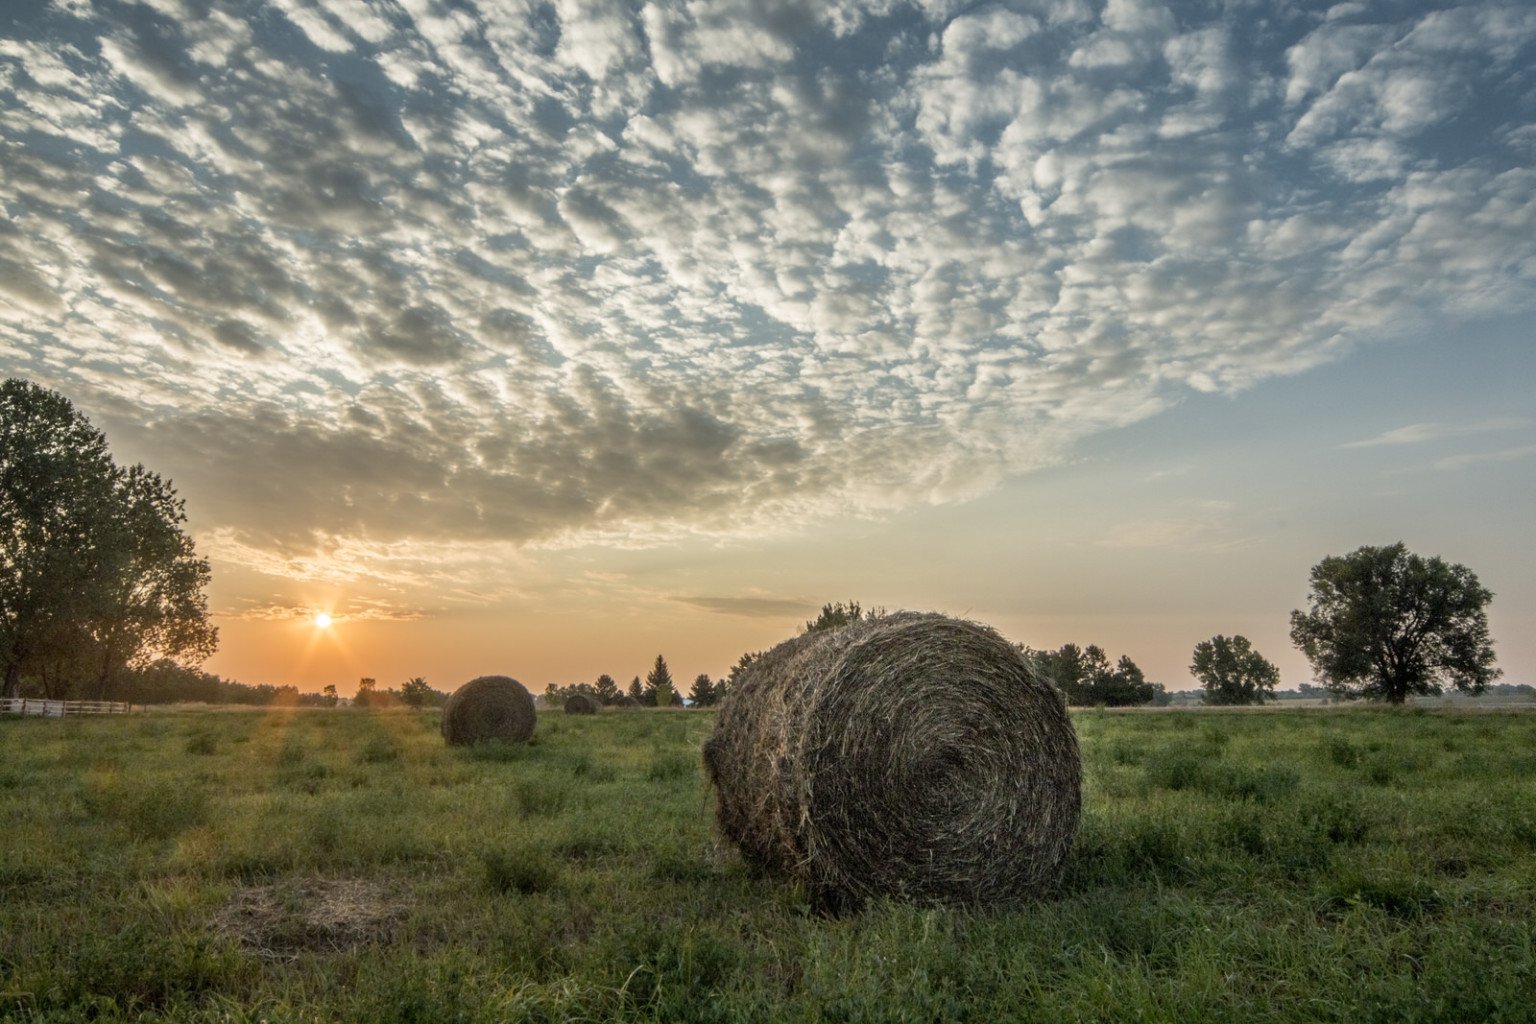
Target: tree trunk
<point x="12" y="686"/>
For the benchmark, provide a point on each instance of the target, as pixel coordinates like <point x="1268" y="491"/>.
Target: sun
<point x="322" y="620"/>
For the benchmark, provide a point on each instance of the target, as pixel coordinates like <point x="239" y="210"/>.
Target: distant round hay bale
<point x="489" y="708"/>
<point x="913" y="756"/>
<point x="582" y="704"/>
<point x="626" y="703"/>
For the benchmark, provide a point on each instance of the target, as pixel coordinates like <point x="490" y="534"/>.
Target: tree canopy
<point x="1087" y="678"/>
<point x="1387" y="624"/>
<point x="705" y="692"/>
<point x="836" y="616"/>
<point x="607" y="689"/>
<point x="658" y="684"/>
<point x="96" y="574"/>
<point x="1232" y="672"/>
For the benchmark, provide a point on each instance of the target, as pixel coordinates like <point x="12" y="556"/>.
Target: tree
<point x="733" y="679"/>
<point x="606" y="689"/>
<point x="417" y="694"/>
<point x="1386" y="624"/>
<point x="367" y="693"/>
<point x="96" y="574"/>
<point x="1086" y="677"/>
<point x="636" y="691"/>
<point x="330" y="696"/>
<point x="836" y="616"/>
<point x="658" y="684"/>
<point x="151" y="600"/>
<point x="1232" y="672"/>
<point x="703" y="694"/>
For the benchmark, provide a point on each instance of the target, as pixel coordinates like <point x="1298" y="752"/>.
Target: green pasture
<point x="1331" y="865"/>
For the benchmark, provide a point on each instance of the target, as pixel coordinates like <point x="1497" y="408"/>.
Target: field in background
<point x="344" y="865"/>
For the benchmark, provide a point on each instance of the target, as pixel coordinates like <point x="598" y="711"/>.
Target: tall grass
<point x="1285" y="866"/>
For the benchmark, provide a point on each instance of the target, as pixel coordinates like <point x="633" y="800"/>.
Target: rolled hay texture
<point x="915" y="757"/>
<point x="489" y="708"/>
<point x="582" y="704"/>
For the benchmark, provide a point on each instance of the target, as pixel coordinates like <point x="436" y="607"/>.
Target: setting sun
<point x="322" y="620"/>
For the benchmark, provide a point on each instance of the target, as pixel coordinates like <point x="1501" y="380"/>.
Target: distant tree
<point x="606" y="689"/>
<point x="658" y="683"/>
<point x="415" y="693"/>
<point x="367" y="693"/>
<point x="636" y="691"/>
<point x="96" y="575"/>
<point x="703" y="694"/>
<point x="1386" y="624"/>
<point x="329" y="694"/>
<point x="836" y="616"/>
<point x="733" y="678"/>
<point x="1087" y="679"/>
<point x="1232" y="672"/>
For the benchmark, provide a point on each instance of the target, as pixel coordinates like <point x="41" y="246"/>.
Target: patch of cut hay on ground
<point x="285" y="919"/>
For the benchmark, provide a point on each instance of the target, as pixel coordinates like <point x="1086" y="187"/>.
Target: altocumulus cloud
<point x="535" y="272"/>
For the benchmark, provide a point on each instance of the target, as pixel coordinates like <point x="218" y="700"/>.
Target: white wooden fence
<point x="60" y="708"/>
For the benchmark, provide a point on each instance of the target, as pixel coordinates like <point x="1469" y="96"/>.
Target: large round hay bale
<point x="582" y="704"/>
<point x="489" y="708"/>
<point x="913" y="756"/>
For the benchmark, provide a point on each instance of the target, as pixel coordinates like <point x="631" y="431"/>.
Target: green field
<point x="345" y="865"/>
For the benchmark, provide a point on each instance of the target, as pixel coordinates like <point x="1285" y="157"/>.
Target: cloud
<point x="1206" y="526"/>
<point x="377" y="284"/>
<point x="355" y="611"/>
<point x="751" y="607"/>
<point x="1420" y="433"/>
<point x="1456" y="462"/>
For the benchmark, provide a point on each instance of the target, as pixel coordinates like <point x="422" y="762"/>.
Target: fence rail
<point x="60" y="708"/>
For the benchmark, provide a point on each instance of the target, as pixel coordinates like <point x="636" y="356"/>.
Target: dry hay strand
<point x="283" y="920"/>
<point x="489" y="708"/>
<point x="582" y="704"/>
<point x="913" y="757"/>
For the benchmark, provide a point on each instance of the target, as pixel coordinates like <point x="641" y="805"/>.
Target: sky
<point x="540" y="338"/>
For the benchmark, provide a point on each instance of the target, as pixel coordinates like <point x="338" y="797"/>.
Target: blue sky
<point x="480" y="322"/>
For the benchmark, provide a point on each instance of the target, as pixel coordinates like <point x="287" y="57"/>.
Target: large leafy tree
<point x="96" y="575"/>
<point x="1232" y="672"/>
<point x="1386" y="624"/>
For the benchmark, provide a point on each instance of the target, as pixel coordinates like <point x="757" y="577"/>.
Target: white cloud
<point x="524" y="274"/>
<point x="1420" y="433"/>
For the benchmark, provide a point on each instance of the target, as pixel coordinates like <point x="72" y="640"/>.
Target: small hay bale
<point x="913" y="756"/>
<point x="489" y="708"/>
<point x="582" y="704"/>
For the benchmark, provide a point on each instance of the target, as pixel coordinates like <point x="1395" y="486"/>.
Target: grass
<point x="346" y="865"/>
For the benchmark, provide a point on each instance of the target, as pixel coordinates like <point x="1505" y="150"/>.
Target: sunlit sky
<point x="543" y="337"/>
